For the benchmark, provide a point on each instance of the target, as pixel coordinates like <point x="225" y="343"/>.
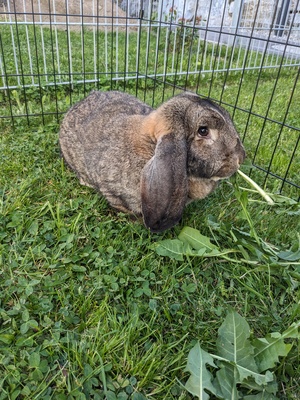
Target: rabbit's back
<point x="101" y="108"/>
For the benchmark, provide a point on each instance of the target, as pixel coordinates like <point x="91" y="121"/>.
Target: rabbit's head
<point x="196" y="141"/>
<point x="215" y="150"/>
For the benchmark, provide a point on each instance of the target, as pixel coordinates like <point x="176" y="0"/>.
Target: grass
<point x="34" y="55"/>
<point x="88" y="309"/>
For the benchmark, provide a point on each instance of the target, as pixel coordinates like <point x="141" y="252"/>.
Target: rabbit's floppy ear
<point x="164" y="184"/>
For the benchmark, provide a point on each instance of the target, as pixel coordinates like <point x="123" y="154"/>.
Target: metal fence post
<point x="282" y="18"/>
<point x="235" y="22"/>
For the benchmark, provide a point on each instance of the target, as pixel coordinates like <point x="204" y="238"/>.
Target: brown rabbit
<point x="147" y="162"/>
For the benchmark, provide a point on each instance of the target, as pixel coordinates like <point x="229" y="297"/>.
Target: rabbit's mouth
<point x="224" y="172"/>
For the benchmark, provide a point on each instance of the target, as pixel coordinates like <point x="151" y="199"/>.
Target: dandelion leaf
<point x="289" y="255"/>
<point x="270" y="389"/>
<point x="233" y="342"/>
<point x="234" y="346"/>
<point x="272" y="346"/>
<point x="226" y="382"/>
<point x="196" y="240"/>
<point x="200" y="379"/>
<point x="170" y="248"/>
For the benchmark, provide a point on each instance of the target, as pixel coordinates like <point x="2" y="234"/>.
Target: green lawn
<point x="88" y="308"/>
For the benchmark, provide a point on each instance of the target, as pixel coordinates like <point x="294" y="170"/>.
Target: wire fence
<point x="214" y="48"/>
<point x="256" y="32"/>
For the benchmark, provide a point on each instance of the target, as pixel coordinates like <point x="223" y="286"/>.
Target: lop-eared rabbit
<point x="148" y="162"/>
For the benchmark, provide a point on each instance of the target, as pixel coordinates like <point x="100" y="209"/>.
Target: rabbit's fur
<point x="147" y="162"/>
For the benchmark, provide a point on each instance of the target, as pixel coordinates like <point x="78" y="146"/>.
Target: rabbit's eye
<point x="203" y="131"/>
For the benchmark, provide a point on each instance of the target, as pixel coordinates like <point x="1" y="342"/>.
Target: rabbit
<point x="150" y="162"/>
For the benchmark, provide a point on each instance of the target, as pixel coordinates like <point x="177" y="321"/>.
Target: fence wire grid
<point x="244" y="54"/>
